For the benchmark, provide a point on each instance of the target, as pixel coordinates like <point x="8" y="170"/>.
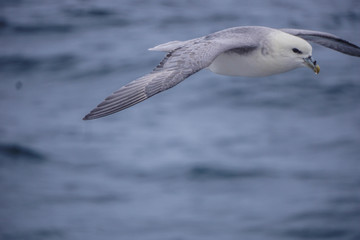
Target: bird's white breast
<point x="256" y="64"/>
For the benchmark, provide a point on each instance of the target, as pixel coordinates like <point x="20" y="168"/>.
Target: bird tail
<point x="167" y="47"/>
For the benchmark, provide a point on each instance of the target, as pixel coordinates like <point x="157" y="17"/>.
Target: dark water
<point x="215" y="157"/>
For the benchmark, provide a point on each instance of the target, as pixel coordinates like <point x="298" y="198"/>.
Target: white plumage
<point x="252" y="51"/>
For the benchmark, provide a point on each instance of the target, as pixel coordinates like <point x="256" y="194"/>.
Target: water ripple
<point x="207" y="172"/>
<point x="10" y="152"/>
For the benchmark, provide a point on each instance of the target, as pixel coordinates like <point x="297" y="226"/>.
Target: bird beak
<point x="309" y="62"/>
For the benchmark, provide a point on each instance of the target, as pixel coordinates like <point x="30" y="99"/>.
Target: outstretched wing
<point x="174" y="68"/>
<point x="326" y="40"/>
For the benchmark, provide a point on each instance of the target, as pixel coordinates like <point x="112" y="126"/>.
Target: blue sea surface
<point x="215" y="157"/>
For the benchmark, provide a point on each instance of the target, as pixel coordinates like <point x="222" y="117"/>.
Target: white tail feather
<point x="167" y="47"/>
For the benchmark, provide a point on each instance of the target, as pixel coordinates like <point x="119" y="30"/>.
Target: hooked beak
<point x="309" y="62"/>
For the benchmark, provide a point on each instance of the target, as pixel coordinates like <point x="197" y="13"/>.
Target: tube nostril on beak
<point x="309" y="62"/>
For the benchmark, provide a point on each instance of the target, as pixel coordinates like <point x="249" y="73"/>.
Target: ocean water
<point x="215" y="157"/>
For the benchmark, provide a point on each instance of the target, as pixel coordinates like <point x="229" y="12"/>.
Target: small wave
<point x="209" y="172"/>
<point x="95" y="199"/>
<point x="328" y="214"/>
<point x="19" y="63"/>
<point x="8" y="26"/>
<point x="341" y="89"/>
<point x="48" y="233"/>
<point x="3" y="23"/>
<point x="317" y="233"/>
<point x="93" y="12"/>
<point x="98" y="17"/>
<point x="339" y="18"/>
<point x="17" y="152"/>
<point x="35" y="28"/>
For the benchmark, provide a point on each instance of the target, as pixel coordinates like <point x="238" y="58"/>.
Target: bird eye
<point x="295" y="50"/>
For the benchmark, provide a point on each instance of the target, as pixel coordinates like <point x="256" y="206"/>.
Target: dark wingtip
<point x="87" y="117"/>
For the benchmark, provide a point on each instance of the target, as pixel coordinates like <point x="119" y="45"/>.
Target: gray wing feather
<point x="326" y="40"/>
<point x="134" y="92"/>
<point x="125" y="97"/>
<point x="174" y="68"/>
<point x="183" y="60"/>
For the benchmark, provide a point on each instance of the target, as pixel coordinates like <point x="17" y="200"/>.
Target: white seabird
<point x="251" y="51"/>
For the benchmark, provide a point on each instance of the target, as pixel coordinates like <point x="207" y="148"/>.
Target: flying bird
<point x="251" y="51"/>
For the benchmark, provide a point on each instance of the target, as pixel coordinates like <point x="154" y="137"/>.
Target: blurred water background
<point x="216" y="157"/>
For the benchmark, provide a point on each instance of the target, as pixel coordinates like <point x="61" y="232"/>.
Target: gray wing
<point x="326" y="40"/>
<point x="174" y="68"/>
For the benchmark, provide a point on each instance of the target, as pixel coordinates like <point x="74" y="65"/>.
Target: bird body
<point x="251" y="51"/>
<point x="270" y="56"/>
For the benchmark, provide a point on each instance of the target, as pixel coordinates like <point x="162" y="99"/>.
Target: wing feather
<point x="326" y="40"/>
<point x="182" y="60"/>
<point x="174" y="68"/>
